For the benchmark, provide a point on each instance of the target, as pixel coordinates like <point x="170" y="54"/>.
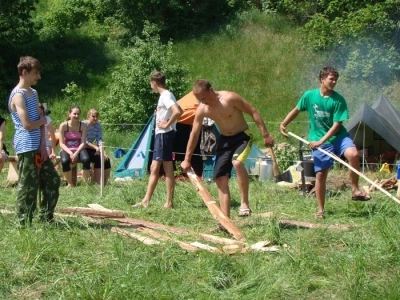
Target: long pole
<point x="350" y="167"/>
<point x="101" y="169"/>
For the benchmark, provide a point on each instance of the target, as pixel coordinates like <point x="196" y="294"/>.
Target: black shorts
<point x="235" y="147"/>
<point x="163" y="146"/>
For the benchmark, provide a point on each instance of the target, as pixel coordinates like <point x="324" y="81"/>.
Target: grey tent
<point x="383" y="107"/>
<point x="373" y="131"/>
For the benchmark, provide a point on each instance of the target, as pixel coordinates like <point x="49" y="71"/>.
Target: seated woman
<point x="3" y="150"/>
<point x="94" y="140"/>
<point x="72" y="143"/>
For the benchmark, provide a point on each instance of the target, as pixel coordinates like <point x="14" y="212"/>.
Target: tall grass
<point x="261" y="58"/>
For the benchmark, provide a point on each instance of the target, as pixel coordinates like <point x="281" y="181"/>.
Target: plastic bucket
<point x="308" y="166"/>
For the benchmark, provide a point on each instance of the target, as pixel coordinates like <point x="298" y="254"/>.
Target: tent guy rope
<point x="348" y="166"/>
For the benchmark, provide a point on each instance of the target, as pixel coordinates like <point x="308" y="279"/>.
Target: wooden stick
<point x="275" y="168"/>
<point x="101" y="169"/>
<point x="350" y="167"/>
<point x="213" y="206"/>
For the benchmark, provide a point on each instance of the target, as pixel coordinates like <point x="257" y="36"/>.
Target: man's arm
<point x="2" y="133"/>
<point x="176" y="114"/>
<point x="193" y="139"/>
<point x="289" y="118"/>
<point x="18" y="102"/>
<point x="245" y="107"/>
<point x="331" y="132"/>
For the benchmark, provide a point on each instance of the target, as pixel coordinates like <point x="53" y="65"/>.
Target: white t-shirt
<point x="164" y="111"/>
<point x="46" y="132"/>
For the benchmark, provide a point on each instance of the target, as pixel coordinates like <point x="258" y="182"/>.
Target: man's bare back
<point x="225" y="113"/>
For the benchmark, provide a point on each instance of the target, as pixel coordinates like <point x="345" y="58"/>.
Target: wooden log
<point x="213" y="207"/>
<point x="144" y="239"/>
<point x="91" y="212"/>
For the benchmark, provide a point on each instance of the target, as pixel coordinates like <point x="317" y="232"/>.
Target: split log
<point x="145" y="240"/>
<point x="92" y="212"/>
<point x="214" y="208"/>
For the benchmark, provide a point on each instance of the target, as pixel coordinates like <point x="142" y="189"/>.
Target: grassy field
<point x="262" y="59"/>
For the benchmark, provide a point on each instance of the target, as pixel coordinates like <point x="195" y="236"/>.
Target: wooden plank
<point x="91" y="212"/>
<point x="232" y="249"/>
<point x="152" y="225"/>
<point x="214" y="208"/>
<point x="159" y="236"/>
<point x="220" y="240"/>
<point x="144" y="239"/>
<point x="206" y="247"/>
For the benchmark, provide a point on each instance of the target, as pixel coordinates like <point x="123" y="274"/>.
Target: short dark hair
<point x="158" y="77"/>
<point x="201" y="85"/>
<point x="28" y="63"/>
<point x="326" y="71"/>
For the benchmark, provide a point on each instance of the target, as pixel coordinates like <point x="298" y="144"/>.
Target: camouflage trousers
<point x="30" y="178"/>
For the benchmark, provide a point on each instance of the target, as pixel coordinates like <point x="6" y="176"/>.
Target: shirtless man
<point x="226" y="109"/>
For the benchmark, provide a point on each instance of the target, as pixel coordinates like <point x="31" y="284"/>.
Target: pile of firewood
<point x="387" y="184"/>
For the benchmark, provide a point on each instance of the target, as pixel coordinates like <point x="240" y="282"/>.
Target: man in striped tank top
<point x="34" y="166"/>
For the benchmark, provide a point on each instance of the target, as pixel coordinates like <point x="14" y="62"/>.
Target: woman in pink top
<point x="72" y="143"/>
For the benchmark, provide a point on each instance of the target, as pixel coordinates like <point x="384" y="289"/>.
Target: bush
<point x="130" y="99"/>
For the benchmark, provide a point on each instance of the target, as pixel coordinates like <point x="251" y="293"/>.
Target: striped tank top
<point x="25" y="140"/>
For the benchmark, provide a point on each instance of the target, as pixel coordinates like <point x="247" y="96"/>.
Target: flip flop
<point x="319" y="215"/>
<point x="362" y="196"/>
<point x="244" y="212"/>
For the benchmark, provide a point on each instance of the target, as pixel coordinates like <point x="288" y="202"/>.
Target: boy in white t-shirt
<point x="167" y="114"/>
<point x="49" y="132"/>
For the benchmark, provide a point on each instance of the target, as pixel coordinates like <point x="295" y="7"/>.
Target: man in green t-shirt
<point x="326" y="110"/>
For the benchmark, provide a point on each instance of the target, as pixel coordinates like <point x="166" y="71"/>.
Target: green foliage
<point x="362" y="36"/>
<point x="130" y="98"/>
<point x="16" y="31"/>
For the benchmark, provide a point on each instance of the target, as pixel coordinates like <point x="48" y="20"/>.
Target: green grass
<point x="88" y="261"/>
<point x="260" y="57"/>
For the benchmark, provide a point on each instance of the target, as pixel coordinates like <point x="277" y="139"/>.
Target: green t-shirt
<point x="323" y="112"/>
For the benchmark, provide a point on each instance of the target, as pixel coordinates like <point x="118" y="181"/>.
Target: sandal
<point x="361" y="196"/>
<point x="244" y="212"/>
<point x="319" y="215"/>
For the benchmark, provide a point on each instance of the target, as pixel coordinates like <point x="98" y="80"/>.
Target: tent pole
<point x="363" y="158"/>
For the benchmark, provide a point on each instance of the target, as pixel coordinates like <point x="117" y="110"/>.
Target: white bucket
<point x="264" y="167"/>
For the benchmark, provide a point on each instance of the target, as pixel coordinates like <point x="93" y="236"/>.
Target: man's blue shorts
<point x="163" y="146"/>
<point x="323" y="161"/>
